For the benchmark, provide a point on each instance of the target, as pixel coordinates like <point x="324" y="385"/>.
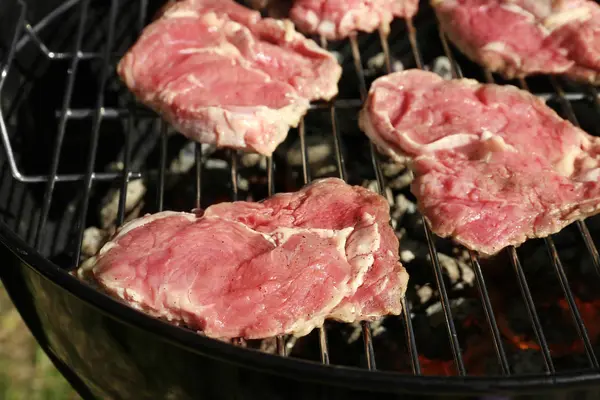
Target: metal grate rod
<point x="439" y="277"/>
<point x="551" y="248"/>
<point x="567" y="108"/>
<point x="234" y="174"/>
<point x="489" y="314"/>
<point x="233" y="157"/>
<point x="366" y="328"/>
<point x="125" y="177"/>
<point x="524" y="287"/>
<point x="437" y="269"/>
<point x="49" y="190"/>
<point x="533" y="316"/>
<point x="481" y="286"/>
<point x="163" y="165"/>
<point x="280" y="341"/>
<point x="324" y="349"/>
<point x="144" y="112"/>
<point x="305" y="164"/>
<point x="92" y="151"/>
<point x="579" y="324"/>
<point x="454" y="67"/>
<point x="130" y="126"/>
<point x="412" y="37"/>
<point x="270" y="171"/>
<point x="198" y="172"/>
<point x="341" y="166"/>
<point x="411" y="342"/>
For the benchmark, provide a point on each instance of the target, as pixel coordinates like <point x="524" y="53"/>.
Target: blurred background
<point x="25" y="371"/>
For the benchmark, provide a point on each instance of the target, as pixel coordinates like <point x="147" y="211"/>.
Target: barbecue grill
<point x="73" y="137"/>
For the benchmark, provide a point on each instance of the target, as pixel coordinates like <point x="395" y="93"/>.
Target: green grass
<point x="25" y="371"/>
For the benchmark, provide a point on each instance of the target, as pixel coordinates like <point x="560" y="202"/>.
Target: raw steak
<point x="256" y="270"/>
<point x="372" y="247"/>
<point x="524" y="37"/>
<point x="222" y="75"/>
<point x="493" y="164"/>
<point x="337" y="19"/>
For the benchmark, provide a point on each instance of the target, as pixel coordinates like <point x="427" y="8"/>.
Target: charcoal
<point x="374" y="187"/>
<point x="318" y="150"/>
<point x="93" y="239"/>
<point x="252" y="160"/>
<point x="391" y="169"/>
<point x="458" y="271"/>
<point x="376" y="65"/>
<point x="401" y="181"/>
<point x="442" y="67"/>
<point x="425" y="293"/>
<point x="110" y="205"/>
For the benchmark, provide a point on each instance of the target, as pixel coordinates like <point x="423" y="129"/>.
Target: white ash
<point x="442" y="67"/>
<point x="93" y="239"/>
<point x="374" y="187"/>
<point x="425" y="293"/>
<point x="407" y="256"/>
<point x="243" y="183"/>
<point x="401" y="207"/>
<point x="377" y="63"/>
<point x="290" y="343"/>
<point x="338" y="56"/>
<point x="253" y="159"/>
<point x="214" y="163"/>
<point x="460" y="273"/>
<point x="325" y="171"/>
<point x="401" y="181"/>
<point x="115" y="166"/>
<point x="269" y="345"/>
<point x="397" y="66"/>
<point x="460" y="308"/>
<point x="186" y="158"/>
<point x="405" y="205"/>
<point x="377" y="329"/>
<point x="110" y="204"/>
<point x="318" y="150"/>
<point x="391" y="169"/>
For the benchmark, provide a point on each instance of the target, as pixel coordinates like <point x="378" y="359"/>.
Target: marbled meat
<point x="254" y="270"/>
<point x="493" y="164"/>
<point x="337" y="19"/>
<point x="221" y="74"/>
<point x="526" y="37"/>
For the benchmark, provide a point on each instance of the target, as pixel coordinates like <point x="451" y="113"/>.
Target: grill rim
<point x="295" y="368"/>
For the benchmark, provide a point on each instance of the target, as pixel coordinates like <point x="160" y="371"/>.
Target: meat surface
<point x="221" y="74"/>
<point x="256" y="270"/>
<point x="493" y="164"/>
<point x="525" y="37"/>
<point x="337" y="19"/>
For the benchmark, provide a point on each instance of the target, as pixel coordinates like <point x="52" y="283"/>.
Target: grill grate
<point x="99" y="113"/>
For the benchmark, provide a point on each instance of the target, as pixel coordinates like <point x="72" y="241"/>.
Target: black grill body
<point x="47" y="198"/>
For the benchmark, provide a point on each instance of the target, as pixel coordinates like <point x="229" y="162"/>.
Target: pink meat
<point x="493" y="164"/>
<point x="337" y="19"/>
<point x="256" y="270"/>
<point x="524" y="37"/>
<point x="222" y="75"/>
<point x="378" y="279"/>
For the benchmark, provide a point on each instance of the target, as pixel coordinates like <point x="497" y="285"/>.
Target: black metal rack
<point x="26" y="33"/>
